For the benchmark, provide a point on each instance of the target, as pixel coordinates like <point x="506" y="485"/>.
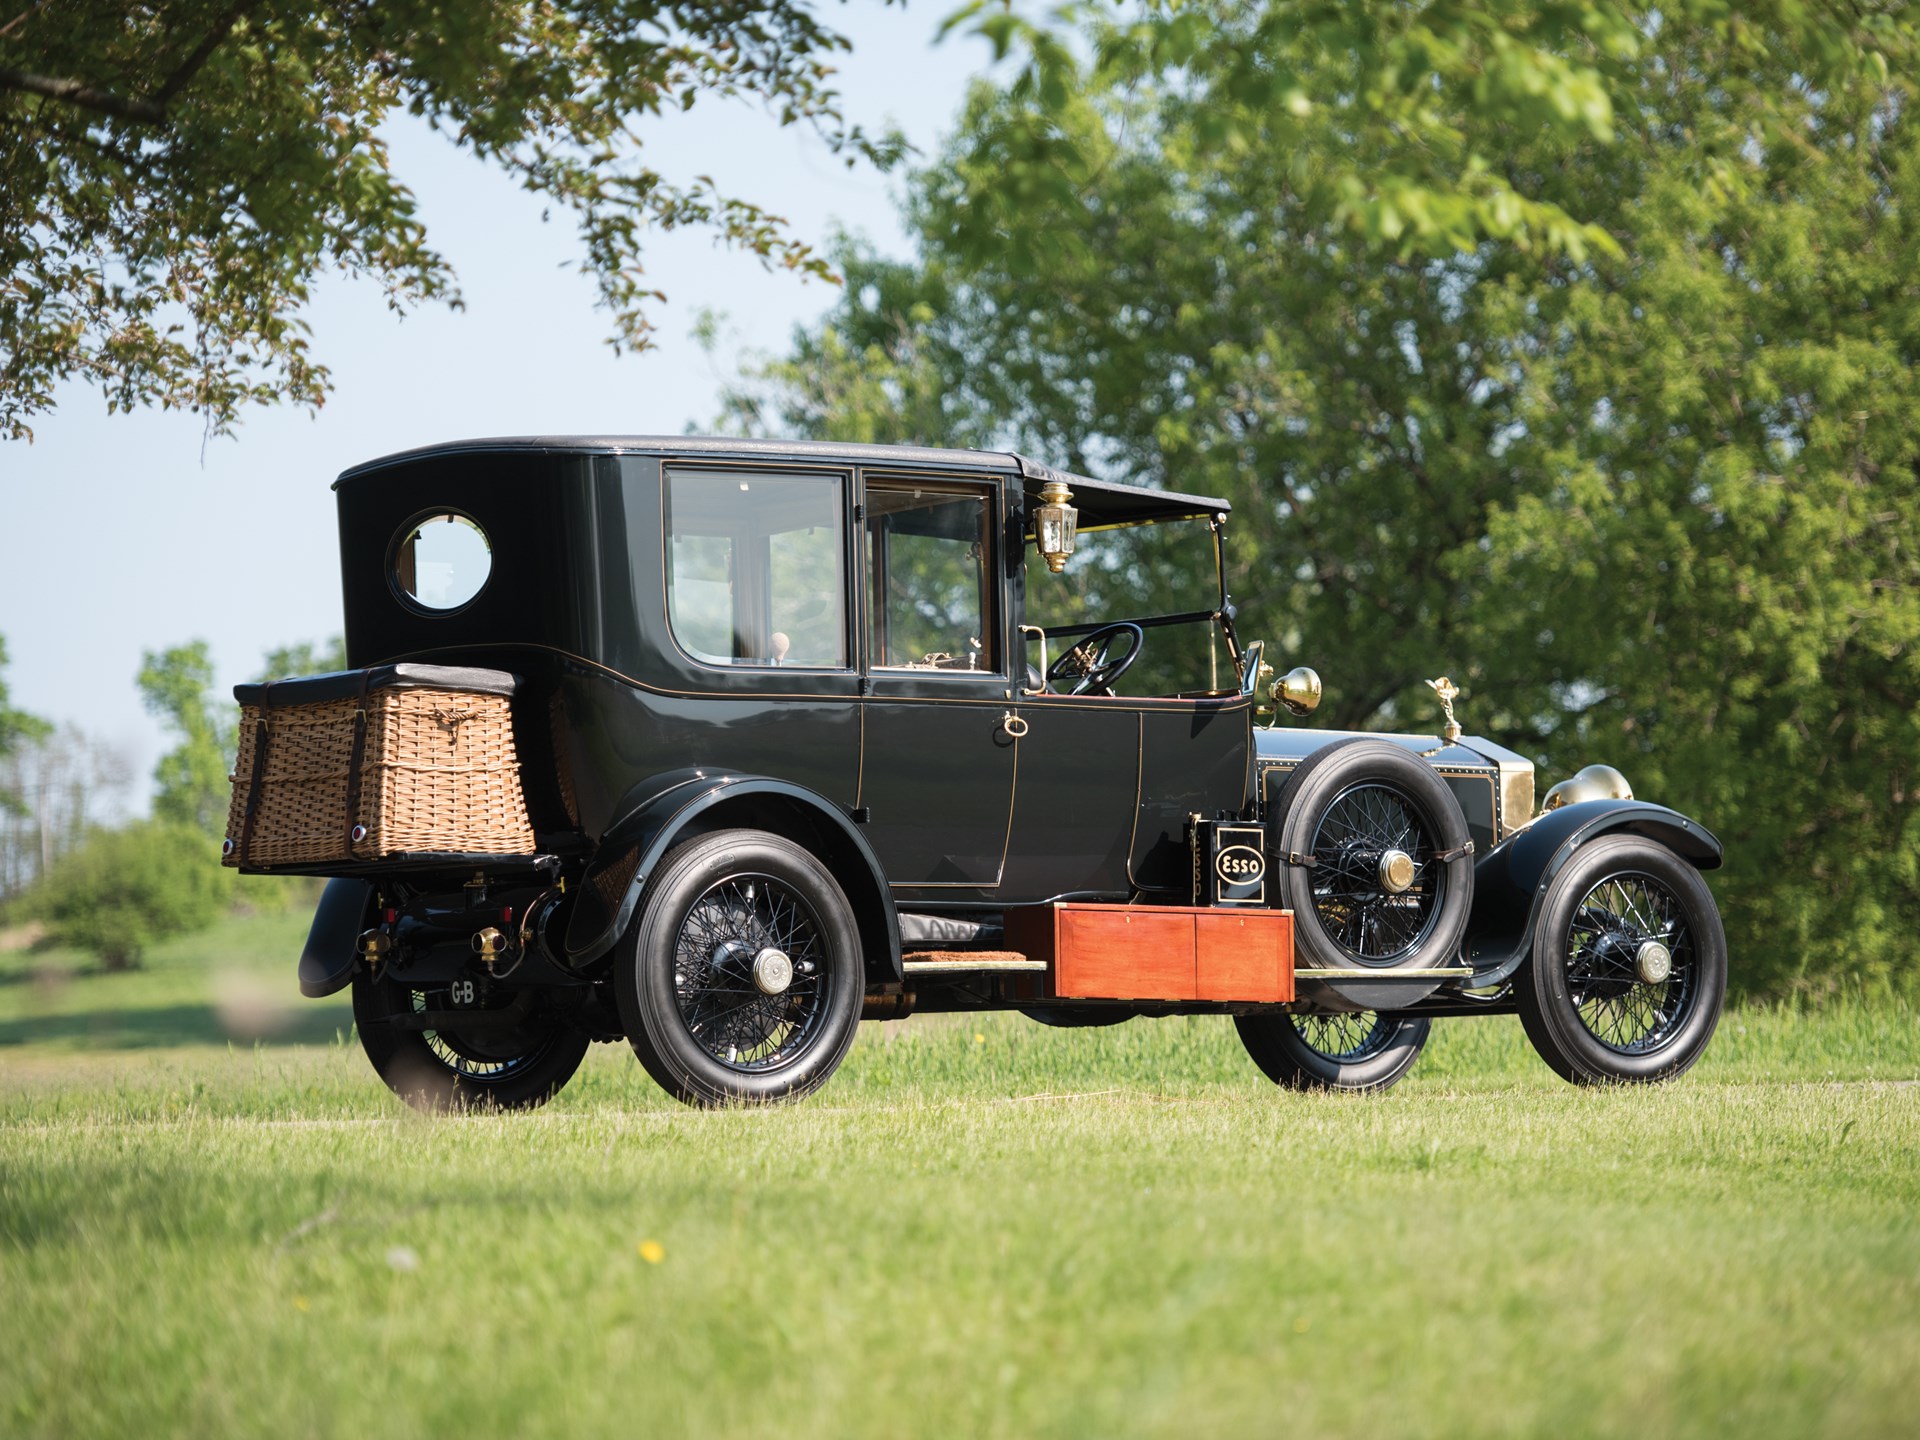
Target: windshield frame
<point x="1221" y="612"/>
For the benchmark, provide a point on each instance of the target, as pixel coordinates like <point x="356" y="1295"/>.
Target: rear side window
<point x="440" y="562"/>
<point x="756" y="567"/>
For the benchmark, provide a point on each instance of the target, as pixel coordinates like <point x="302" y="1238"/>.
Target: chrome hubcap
<point x="772" y="971"/>
<point x="1653" y="962"/>
<point x="1396" y="872"/>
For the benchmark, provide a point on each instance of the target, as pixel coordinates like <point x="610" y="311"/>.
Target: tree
<point x="191" y="780"/>
<point x="305" y="658"/>
<point x="191" y="788"/>
<point x="68" y="784"/>
<point x="877" y="374"/>
<point x="16" y="729"/>
<point x="122" y="890"/>
<point x="173" y="175"/>
<point x="1651" y="496"/>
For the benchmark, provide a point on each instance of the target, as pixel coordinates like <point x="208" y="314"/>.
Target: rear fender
<point x="680" y="806"/>
<point x="326" y="964"/>
<point x="1510" y="883"/>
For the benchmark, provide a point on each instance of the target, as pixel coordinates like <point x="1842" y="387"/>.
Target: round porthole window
<point x="442" y="561"/>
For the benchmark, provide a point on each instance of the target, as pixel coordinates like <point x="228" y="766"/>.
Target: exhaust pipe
<point x="895" y="1006"/>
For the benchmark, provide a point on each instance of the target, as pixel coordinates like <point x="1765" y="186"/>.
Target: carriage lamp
<point x="1055" y="523"/>
<point x="1596" y="782"/>
<point x="1298" y="690"/>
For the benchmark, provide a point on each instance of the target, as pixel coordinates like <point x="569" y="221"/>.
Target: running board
<point x="960" y="962"/>
<point x="1449" y="973"/>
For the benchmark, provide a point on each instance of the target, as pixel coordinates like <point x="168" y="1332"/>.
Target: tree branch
<point x="190" y="67"/>
<point x="151" y="112"/>
<point x="20" y="19"/>
<point x="78" y="92"/>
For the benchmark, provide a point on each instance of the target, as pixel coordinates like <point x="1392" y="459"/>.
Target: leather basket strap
<point x="262" y="738"/>
<point x="353" y="764"/>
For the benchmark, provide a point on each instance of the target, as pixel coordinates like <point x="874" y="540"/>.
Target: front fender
<point x="657" y="816"/>
<point x="1510" y="883"/>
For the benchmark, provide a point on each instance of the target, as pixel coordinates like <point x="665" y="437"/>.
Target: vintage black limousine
<point x="723" y="746"/>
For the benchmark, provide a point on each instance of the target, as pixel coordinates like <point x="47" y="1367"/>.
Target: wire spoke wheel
<point x="516" y="1052"/>
<point x="1629" y="970"/>
<point x="1373" y="855"/>
<point x="1373" y="922"/>
<point x="481" y="1057"/>
<point x="1621" y="1008"/>
<point x="1333" y="1050"/>
<point x="1345" y="1038"/>
<point x="727" y="936"/>
<point x="746" y="974"/>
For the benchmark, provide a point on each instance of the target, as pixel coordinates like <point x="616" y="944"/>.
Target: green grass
<point x="979" y="1227"/>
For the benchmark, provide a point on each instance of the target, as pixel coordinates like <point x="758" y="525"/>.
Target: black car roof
<point x="1111" y="502"/>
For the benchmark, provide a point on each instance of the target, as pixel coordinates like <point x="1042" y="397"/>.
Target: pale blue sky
<point x="120" y="537"/>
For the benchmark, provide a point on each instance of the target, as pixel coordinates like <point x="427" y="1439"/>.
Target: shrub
<point x="122" y="890"/>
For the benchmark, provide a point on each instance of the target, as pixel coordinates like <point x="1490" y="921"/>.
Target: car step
<point x="952" y="962"/>
<point x="1445" y="972"/>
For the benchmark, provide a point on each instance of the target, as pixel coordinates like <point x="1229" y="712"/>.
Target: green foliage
<point x="16" y="728"/>
<point x="1408" y="90"/>
<point x="879" y="373"/>
<point x="122" y="890"/>
<point x="305" y="658"/>
<point x="190" y="782"/>
<point x="1569" y="349"/>
<point x="173" y="176"/>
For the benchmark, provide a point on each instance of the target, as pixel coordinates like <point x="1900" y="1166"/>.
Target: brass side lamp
<point x="1298" y="691"/>
<point x="1055" y="524"/>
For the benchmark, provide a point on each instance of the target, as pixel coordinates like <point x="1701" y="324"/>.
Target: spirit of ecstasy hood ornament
<point x="1448" y="693"/>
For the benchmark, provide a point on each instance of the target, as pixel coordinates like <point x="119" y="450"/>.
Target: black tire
<point x="515" y="1068"/>
<point x="1342" y="807"/>
<point x="1583" y="1000"/>
<point x="1355" y="1050"/>
<point x="694" y="1012"/>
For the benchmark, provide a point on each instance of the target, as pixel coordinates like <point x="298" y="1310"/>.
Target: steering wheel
<point x="1091" y="664"/>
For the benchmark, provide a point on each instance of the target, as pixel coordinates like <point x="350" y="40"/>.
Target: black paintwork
<point x="326" y="962"/>
<point x="1093" y="801"/>
<point x="1509" y="883"/>
<point x="908" y="784"/>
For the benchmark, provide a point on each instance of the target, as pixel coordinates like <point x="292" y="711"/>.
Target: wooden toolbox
<point x="1159" y="952"/>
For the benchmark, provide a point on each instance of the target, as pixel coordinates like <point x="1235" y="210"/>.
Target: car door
<point x="938" y="753"/>
<point x="1077" y="801"/>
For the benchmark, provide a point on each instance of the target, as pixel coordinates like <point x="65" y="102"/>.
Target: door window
<point x="756" y="567"/>
<point x="930" y="574"/>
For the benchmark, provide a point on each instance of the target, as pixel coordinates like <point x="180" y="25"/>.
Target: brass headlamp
<point x="1596" y="782"/>
<point x="1055" y="524"/>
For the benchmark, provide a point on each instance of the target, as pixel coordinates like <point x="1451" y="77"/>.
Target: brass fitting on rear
<point x="489" y="944"/>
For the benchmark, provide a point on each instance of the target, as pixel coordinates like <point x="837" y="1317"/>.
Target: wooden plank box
<point x="400" y="760"/>
<point x="1159" y="952"/>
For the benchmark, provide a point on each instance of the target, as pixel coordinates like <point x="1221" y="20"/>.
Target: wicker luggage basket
<point x="393" y="762"/>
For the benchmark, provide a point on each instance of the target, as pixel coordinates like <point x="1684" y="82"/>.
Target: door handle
<point x="1012" y="725"/>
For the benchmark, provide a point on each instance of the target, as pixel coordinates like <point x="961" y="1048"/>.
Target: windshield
<point x="1143" y="573"/>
